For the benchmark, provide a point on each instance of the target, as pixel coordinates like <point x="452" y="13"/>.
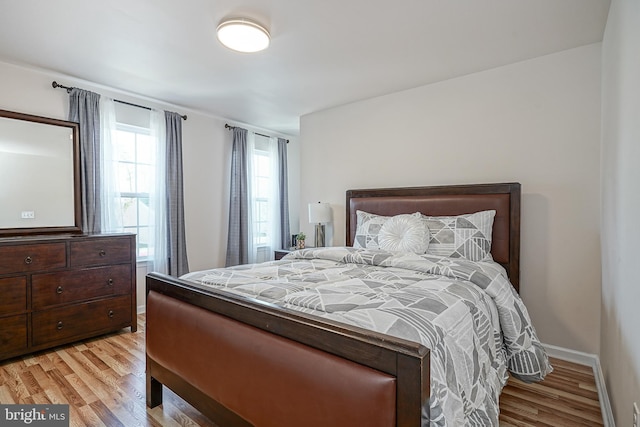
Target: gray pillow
<point x="463" y="236"/>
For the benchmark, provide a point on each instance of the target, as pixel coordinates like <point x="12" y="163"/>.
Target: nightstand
<point x="279" y="253"/>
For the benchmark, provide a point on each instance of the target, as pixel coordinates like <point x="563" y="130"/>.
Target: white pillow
<point x="406" y="233"/>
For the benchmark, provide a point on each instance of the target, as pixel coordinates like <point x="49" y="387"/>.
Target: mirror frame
<point x="77" y="201"/>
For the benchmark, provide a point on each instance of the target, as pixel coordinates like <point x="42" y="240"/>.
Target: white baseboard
<point x="141" y="309"/>
<point x="592" y="360"/>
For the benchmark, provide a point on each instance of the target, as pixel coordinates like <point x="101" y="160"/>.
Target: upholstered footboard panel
<point x="265" y="379"/>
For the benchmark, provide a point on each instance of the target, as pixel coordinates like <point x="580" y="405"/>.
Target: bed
<point x="273" y="345"/>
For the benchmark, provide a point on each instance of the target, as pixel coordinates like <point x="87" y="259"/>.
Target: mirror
<point x="39" y="175"/>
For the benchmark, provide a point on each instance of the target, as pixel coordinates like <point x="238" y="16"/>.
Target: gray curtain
<point x="238" y="237"/>
<point x="284" y="194"/>
<point x="176" y="240"/>
<point x="84" y="108"/>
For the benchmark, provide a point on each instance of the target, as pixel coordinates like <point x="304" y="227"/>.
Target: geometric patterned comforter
<point x="467" y="313"/>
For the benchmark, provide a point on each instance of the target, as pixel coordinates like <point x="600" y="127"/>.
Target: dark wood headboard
<point x="450" y="200"/>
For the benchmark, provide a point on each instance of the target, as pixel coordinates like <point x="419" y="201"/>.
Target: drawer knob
<point x="59" y="326"/>
<point x="110" y="313"/>
<point x="110" y="282"/>
<point x="102" y="252"/>
<point x="28" y="260"/>
<point x="59" y="290"/>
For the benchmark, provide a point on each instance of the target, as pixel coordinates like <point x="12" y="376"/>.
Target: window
<point x="133" y="183"/>
<point x="261" y="164"/>
<point x="264" y="198"/>
<point x="134" y="155"/>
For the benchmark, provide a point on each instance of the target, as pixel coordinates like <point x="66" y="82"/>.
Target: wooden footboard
<point x="243" y="362"/>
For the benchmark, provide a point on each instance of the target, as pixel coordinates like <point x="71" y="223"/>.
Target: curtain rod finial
<point x="56" y="85"/>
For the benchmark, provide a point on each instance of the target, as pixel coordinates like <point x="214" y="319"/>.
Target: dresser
<point x="59" y="289"/>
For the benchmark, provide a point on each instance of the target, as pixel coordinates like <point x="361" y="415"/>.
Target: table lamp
<point x="319" y="213"/>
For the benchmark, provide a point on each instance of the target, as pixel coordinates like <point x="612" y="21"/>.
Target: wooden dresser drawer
<point x="80" y="320"/>
<point x="69" y="286"/>
<point x="13" y="335"/>
<point x="101" y="251"/>
<point x="13" y="295"/>
<point x="37" y="257"/>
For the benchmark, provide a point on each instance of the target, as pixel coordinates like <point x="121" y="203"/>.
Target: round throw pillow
<point x="406" y="233"/>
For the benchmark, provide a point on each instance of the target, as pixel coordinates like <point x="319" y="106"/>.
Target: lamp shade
<point x="319" y="213"/>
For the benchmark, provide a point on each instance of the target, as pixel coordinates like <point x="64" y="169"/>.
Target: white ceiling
<point x="323" y="53"/>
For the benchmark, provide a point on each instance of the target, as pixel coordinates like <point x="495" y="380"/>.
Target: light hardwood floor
<point x="566" y="397"/>
<point x="103" y="380"/>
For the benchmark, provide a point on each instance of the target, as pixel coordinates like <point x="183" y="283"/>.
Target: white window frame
<point x="138" y="196"/>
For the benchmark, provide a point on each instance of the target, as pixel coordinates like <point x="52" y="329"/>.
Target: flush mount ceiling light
<point x="243" y="35"/>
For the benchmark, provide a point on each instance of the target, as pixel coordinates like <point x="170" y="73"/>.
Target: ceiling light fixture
<point x="243" y="35"/>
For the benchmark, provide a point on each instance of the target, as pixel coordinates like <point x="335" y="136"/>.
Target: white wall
<point x="620" y="334"/>
<point x="206" y="157"/>
<point x="536" y="122"/>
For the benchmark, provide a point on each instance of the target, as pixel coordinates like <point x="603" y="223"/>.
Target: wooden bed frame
<point x="243" y="362"/>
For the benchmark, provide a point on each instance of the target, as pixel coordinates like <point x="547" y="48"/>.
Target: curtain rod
<point x="228" y="126"/>
<point x="56" y="85"/>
